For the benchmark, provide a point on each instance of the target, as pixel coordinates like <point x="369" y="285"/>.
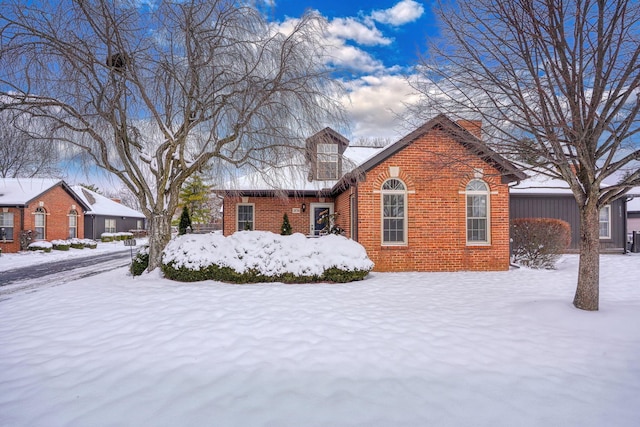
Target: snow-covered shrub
<point x="140" y="262"/>
<point x="539" y="242"/>
<point x="61" y="245"/>
<point x="40" y="246"/>
<point x="123" y="235"/>
<point x="107" y="237"/>
<point x="261" y="256"/>
<point x="76" y="243"/>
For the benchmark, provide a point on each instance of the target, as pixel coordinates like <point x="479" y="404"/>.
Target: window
<point x="140" y="224"/>
<point x="394" y="212"/>
<point x="40" y="223"/>
<point x="73" y="224"/>
<point x="109" y="225"/>
<point x="477" y="195"/>
<point x="327" y="162"/>
<point x="6" y="226"/>
<point x="605" y="222"/>
<point x="245" y="217"/>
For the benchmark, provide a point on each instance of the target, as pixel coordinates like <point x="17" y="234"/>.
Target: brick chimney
<point x="474" y="127"/>
<point x="116" y="200"/>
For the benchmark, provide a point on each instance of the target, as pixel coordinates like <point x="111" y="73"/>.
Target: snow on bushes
<point x="40" y="246"/>
<point x="539" y="242"/>
<point x="61" y="245"/>
<point x="140" y="262"/>
<point x="121" y="235"/>
<point x="261" y="256"/>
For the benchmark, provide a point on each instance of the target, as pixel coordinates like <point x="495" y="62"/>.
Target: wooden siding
<point x="564" y="207"/>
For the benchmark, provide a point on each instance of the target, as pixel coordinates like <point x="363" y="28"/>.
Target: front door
<point x="318" y="212"/>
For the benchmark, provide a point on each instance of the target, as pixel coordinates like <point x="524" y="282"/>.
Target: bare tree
<point x="556" y="83"/>
<point x="153" y="92"/>
<point x="22" y="155"/>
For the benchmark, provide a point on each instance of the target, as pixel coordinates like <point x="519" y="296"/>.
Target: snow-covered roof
<point x="538" y="184"/>
<point x="101" y="205"/>
<point x="541" y="184"/>
<point x="295" y="175"/>
<point x="19" y="191"/>
<point x="633" y="205"/>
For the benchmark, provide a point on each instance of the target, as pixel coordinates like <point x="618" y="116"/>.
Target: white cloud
<point x="402" y="13"/>
<point x="340" y="54"/>
<point x="351" y="29"/>
<point x="376" y="105"/>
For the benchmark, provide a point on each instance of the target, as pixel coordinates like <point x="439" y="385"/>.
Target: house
<point x="542" y="197"/>
<point x="633" y="211"/>
<point x="47" y="207"/>
<point x="105" y="215"/>
<point x="435" y="200"/>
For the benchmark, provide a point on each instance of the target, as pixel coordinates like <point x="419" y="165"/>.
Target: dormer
<point x="324" y="152"/>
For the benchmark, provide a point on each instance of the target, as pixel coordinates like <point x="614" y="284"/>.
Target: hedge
<point x="229" y="275"/>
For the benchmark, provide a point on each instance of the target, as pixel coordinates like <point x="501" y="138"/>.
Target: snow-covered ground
<point x="28" y="258"/>
<point x="411" y="349"/>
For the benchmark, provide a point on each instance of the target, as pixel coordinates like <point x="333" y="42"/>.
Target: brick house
<point x="435" y="200"/>
<point x="47" y="207"/>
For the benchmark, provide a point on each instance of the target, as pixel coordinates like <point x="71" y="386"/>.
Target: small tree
<point x="196" y="195"/>
<point x="285" y="229"/>
<point x="185" y="221"/>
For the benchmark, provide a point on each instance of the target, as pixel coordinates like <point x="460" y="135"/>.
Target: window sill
<point x="394" y="247"/>
<point x="478" y="245"/>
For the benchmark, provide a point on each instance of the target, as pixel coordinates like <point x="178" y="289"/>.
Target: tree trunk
<point x="587" y="292"/>
<point x="159" y="236"/>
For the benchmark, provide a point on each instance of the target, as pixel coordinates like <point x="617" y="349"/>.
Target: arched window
<point x="394" y="212"/>
<point x="40" y="223"/>
<point x="73" y="224"/>
<point x="477" y="194"/>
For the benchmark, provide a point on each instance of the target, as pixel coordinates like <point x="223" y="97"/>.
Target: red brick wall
<point x="57" y="204"/>
<point x="269" y="212"/>
<point x="435" y="170"/>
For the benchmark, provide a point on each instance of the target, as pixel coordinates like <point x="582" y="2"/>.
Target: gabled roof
<point x="292" y="178"/>
<point x="100" y="205"/>
<point x="22" y="191"/>
<point x="510" y="172"/>
<point x="328" y="134"/>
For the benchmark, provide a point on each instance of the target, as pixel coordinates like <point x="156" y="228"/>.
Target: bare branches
<point x="552" y="80"/>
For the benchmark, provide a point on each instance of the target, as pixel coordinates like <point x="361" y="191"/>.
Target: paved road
<point x="60" y="272"/>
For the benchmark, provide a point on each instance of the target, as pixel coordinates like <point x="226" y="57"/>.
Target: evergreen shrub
<point x="140" y="261"/>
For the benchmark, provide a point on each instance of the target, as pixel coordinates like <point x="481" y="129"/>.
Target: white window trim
<point x="253" y="210"/>
<point x="608" y="209"/>
<point x="75" y="226"/>
<point x="405" y="232"/>
<point x="115" y="225"/>
<point x="487" y="194"/>
<point x="12" y="226"/>
<point x="333" y="155"/>
<point x="40" y="211"/>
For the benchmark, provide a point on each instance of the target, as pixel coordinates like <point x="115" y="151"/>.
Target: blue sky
<point x="376" y="42"/>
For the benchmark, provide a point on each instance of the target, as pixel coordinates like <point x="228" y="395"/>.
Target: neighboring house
<point x="633" y="210"/>
<point x="47" y="207"/>
<point x="105" y="215"/>
<point x="543" y="197"/>
<point x="435" y="200"/>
